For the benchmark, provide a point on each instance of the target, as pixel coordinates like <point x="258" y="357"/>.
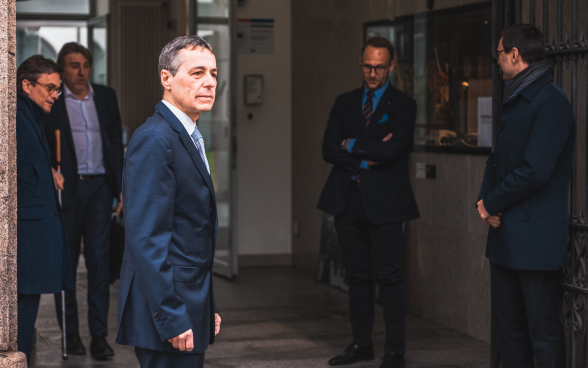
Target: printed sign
<point x="255" y="36"/>
<point x="485" y="121"/>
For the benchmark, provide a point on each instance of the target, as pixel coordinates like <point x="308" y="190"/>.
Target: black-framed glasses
<point x="379" y="69"/>
<point x="50" y="88"/>
<point x="497" y="53"/>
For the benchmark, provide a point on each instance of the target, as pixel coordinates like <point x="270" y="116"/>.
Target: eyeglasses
<point x="50" y="88"/>
<point x="380" y="69"/>
<point x="497" y="53"/>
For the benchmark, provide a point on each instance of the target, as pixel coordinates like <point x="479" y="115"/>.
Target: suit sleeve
<point x="553" y="124"/>
<point x="488" y="179"/>
<point x="116" y="142"/>
<point x="333" y="153"/>
<point x="403" y="125"/>
<point x="50" y="135"/>
<point x="149" y="193"/>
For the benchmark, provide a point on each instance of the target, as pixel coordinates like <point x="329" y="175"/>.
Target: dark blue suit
<point x="87" y="205"/>
<point x="369" y="219"/>
<point x="527" y="180"/>
<point x="171" y="227"/>
<point x="43" y="256"/>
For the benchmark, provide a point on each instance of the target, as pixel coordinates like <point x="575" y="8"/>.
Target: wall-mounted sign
<point x="485" y="121"/>
<point x="255" y="36"/>
<point x="253" y="89"/>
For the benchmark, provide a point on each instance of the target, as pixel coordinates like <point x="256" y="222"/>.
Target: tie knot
<point x="370" y="94"/>
<point x="196" y="134"/>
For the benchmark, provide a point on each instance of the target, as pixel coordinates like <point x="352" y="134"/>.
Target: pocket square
<point x="383" y="119"/>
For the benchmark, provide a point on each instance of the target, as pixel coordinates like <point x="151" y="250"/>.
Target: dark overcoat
<point x="171" y="227"/>
<point x="385" y="188"/>
<point x="110" y="132"/>
<point x="527" y="179"/>
<point x="43" y="255"/>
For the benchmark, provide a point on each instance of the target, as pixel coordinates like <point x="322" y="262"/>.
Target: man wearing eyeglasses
<point x="368" y="141"/>
<point x="42" y="250"/>
<point x="91" y="163"/>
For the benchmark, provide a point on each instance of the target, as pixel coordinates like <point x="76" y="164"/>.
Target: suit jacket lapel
<point x="99" y="102"/>
<point x="64" y="123"/>
<point x="40" y="134"/>
<point x="380" y="110"/>
<point x="357" y="117"/>
<point x="188" y="143"/>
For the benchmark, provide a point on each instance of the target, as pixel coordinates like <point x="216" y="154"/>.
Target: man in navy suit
<point x="368" y="141"/>
<point x="43" y="256"/>
<point x="524" y="199"/>
<point x="92" y="157"/>
<point x="166" y="306"/>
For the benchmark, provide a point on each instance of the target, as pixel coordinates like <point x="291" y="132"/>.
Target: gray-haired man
<point x="166" y="305"/>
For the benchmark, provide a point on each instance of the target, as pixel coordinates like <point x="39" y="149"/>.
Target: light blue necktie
<point x="199" y="141"/>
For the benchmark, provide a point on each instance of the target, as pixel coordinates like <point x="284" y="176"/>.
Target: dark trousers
<point x="373" y="250"/>
<point x="525" y="307"/>
<point x="88" y="218"/>
<point x="28" y="306"/>
<point x="161" y="359"/>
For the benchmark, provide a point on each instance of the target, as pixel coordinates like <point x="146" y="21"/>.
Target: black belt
<point x="354" y="185"/>
<point x="88" y="177"/>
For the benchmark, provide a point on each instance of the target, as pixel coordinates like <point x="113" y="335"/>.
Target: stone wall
<point x="8" y="297"/>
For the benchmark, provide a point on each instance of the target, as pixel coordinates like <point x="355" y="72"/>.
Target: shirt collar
<point x="69" y="94"/>
<point x="377" y="93"/>
<point x="182" y="117"/>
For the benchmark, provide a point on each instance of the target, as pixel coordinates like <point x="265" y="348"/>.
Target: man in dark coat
<point x="43" y="256"/>
<point x="368" y="140"/>
<point x="524" y="197"/>
<point x="92" y="157"/>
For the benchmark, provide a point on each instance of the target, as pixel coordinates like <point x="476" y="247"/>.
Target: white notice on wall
<point x="255" y="36"/>
<point x="485" y="121"/>
<point x="421" y="170"/>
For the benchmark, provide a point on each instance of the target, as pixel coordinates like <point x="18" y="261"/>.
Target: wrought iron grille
<point x="565" y="26"/>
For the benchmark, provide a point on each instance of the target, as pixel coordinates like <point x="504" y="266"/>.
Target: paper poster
<point x="485" y="121"/>
<point x="255" y="36"/>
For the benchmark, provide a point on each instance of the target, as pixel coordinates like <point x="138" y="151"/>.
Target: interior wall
<point x="264" y="181"/>
<point x="447" y="274"/>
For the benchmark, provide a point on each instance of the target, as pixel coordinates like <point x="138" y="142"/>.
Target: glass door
<point x="213" y="23"/>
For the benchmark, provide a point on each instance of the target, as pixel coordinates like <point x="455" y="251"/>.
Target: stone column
<point x="9" y="355"/>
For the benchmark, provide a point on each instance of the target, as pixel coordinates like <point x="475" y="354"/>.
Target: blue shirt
<point x="375" y="100"/>
<point x="85" y="130"/>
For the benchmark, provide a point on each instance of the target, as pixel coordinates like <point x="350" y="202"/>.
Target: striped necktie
<point x="368" y="108"/>
<point x="199" y="142"/>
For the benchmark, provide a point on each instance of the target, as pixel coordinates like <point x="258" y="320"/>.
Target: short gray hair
<point x="169" y="58"/>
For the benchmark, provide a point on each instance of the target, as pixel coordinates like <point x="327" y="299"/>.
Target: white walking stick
<point x="58" y="154"/>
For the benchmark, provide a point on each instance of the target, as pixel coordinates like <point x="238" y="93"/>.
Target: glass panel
<point x="39" y="38"/>
<point x="53" y="7"/>
<point x="445" y="63"/>
<point x="98" y="48"/>
<point x="215" y="127"/>
<point x="213" y="8"/>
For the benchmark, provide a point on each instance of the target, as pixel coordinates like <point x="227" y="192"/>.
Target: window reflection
<point x="444" y="61"/>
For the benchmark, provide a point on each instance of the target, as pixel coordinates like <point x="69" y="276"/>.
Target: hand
<point x="217" y="323"/>
<point x="57" y="179"/>
<point x="387" y="138"/>
<point x="119" y="206"/>
<point x="493" y="221"/>
<point x="184" y="342"/>
<point x="482" y="210"/>
<point x="346" y="142"/>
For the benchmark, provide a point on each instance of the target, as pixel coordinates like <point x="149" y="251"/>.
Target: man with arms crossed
<point x="166" y="304"/>
<point x="368" y="140"/>
<point x="524" y="199"/>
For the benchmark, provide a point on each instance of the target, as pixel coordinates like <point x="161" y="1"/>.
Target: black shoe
<point x="100" y="348"/>
<point x="353" y="354"/>
<point x="392" y="361"/>
<point x="74" y="344"/>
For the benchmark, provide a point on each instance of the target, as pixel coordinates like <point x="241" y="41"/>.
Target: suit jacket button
<point x="56" y="214"/>
<point x="156" y="316"/>
<point x="500" y="128"/>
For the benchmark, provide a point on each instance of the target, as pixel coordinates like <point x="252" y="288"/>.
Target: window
<point x="444" y="61"/>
